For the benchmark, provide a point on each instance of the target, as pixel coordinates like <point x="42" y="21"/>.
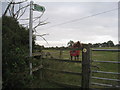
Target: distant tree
<point x="100" y="45"/>
<point x="70" y="43"/>
<point x="117" y="45"/>
<point x="62" y="47"/>
<point x="90" y="44"/>
<point x="56" y="47"/>
<point x="38" y="47"/>
<point x="110" y="43"/>
<point x="96" y="45"/>
<point x="42" y="46"/>
<point x="104" y="44"/>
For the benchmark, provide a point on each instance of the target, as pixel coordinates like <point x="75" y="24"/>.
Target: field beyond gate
<point x="69" y="73"/>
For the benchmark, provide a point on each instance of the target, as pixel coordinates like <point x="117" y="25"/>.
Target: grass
<point x="76" y="67"/>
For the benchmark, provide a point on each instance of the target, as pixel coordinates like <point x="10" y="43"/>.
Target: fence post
<point x="41" y="64"/>
<point x="61" y="52"/>
<point x="85" y="66"/>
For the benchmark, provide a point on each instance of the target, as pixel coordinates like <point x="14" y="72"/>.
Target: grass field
<point x="76" y="67"/>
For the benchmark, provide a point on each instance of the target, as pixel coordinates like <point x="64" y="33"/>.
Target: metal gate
<point x="101" y="76"/>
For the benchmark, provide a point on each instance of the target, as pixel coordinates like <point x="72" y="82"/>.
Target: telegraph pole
<point x="30" y="34"/>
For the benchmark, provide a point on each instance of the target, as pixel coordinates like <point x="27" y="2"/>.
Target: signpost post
<point x="36" y="8"/>
<point x="30" y="34"/>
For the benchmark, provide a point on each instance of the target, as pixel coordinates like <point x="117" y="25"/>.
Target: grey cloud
<point x="94" y="29"/>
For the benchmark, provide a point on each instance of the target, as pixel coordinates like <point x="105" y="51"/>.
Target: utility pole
<point x="30" y="34"/>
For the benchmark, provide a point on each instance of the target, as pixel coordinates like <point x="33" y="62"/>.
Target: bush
<point x="15" y="49"/>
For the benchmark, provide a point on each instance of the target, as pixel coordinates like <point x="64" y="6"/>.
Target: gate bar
<point x="101" y="84"/>
<point x="106" y="61"/>
<point x="106" y="72"/>
<point x="106" y="79"/>
<point x="112" y="50"/>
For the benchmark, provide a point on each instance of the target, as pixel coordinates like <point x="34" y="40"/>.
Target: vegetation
<point x="15" y="44"/>
<point x="105" y="44"/>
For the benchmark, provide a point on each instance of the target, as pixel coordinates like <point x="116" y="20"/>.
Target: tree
<point x="70" y="43"/>
<point x="104" y="44"/>
<point x="18" y="12"/>
<point x="90" y="44"/>
<point x="110" y="43"/>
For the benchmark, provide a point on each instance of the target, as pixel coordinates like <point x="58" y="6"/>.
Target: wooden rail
<point x="61" y="71"/>
<point x="63" y="60"/>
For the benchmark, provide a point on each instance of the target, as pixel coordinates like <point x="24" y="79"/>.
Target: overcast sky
<point x="96" y="29"/>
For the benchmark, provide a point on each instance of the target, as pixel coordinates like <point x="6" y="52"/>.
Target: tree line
<point x="109" y="43"/>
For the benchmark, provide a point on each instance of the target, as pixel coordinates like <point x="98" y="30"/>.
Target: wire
<point x="82" y="18"/>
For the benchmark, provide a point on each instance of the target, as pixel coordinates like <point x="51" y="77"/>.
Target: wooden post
<point x="85" y="66"/>
<point x="60" y="54"/>
<point x="41" y="72"/>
